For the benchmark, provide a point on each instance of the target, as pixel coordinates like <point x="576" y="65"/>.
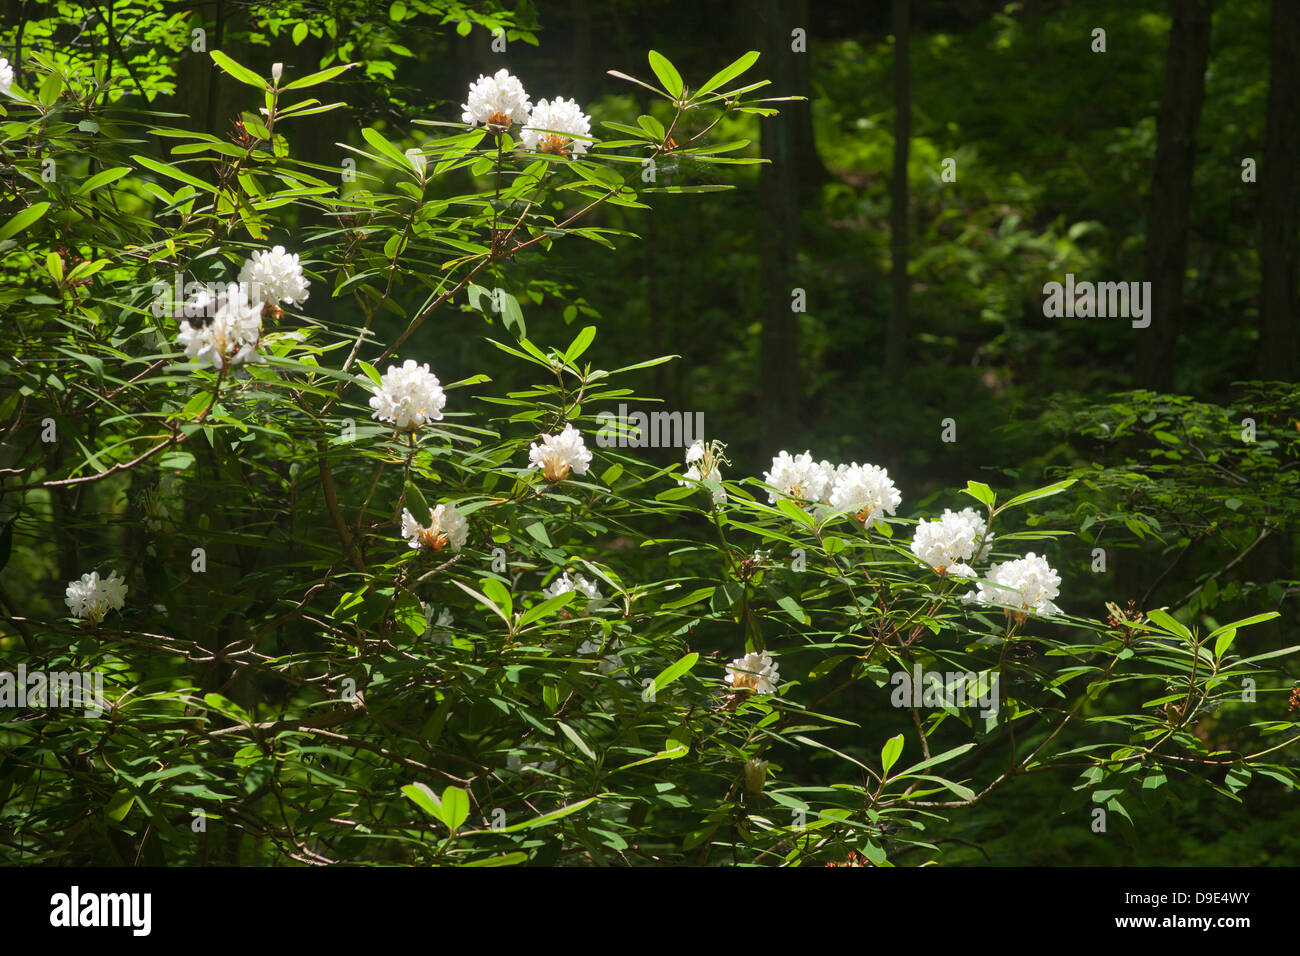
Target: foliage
<point x="289" y="682"/>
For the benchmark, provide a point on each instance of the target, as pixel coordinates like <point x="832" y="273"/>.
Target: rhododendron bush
<point x="340" y="599"/>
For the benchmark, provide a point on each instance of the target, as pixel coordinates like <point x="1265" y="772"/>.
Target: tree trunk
<point x="1280" y="185"/>
<point x="1171" y="189"/>
<point x="787" y="145"/>
<point x="896" y="337"/>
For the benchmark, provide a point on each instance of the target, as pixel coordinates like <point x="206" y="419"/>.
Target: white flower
<point x="609" y="662"/>
<point x="6" y="75"/>
<point x="277" y="71"/>
<point x="754" y="671"/>
<point x="706" y="461"/>
<point x="408" y="396"/>
<point x="447" y="526"/>
<point x="797" y="477"/>
<point x="93" y="597"/>
<point x="755" y="774"/>
<point x="829" y="473"/>
<point x="232" y="335"/>
<point x="564" y="584"/>
<point x="865" y="491"/>
<point x="159" y="502"/>
<point x="496" y="101"/>
<point x="557" y="455"/>
<point x="947" y="542"/>
<point x="553" y="125"/>
<point x="440" y="633"/>
<point x="274" y="276"/>
<point x="516" y="764"/>
<point x="1021" y="586"/>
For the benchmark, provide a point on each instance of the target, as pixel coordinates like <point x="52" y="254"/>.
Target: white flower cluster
<point x="408" y="396"/>
<point x="6" y="75"/>
<point x="706" y="461"/>
<point x="446" y="527"/>
<point x="558" y="455"/>
<point x="610" y="661"/>
<point x="497" y="101"/>
<point x="564" y="584"/>
<point x="1023" y="586"/>
<point x="755" y="671"/>
<point x="555" y="126"/>
<point x="231" y="337"/>
<point x="948" y="544"/>
<point x="865" y="491"/>
<point x="440" y="631"/>
<point x="93" y="597"/>
<point x="273" y="277"/>
<point x="798" y="477"/>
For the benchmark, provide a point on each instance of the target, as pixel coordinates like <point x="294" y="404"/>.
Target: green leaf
<point x="482" y="599"/>
<point x="580" y="343"/>
<point x="119" y="806"/>
<point x="546" y="818"/>
<point x="315" y="79"/>
<point x="667" y="73"/>
<point x="890" y="752"/>
<point x="981" y="493"/>
<point x="1044" y="492"/>
<point x="498" y="594"/>
<point x="938" y="759"/>
<point x="455" y="807"/>
<point x="172" y="172"/>
<point x="1237" y="779"/>
<point x="573" y="735"/>
<point x="373" y="137"/>
<point x="242" y="73"/>
<point x="792" y="510"/>
<point x="102" y="178"/>
<point x="1244" y="622"/>
<point x="699" y="594"/>
<point x="960" y="791"/>
<point x="546" y="608"/>
<point x="506" y="859"/>
<point x="676" y="753"/>
<point x="674" y="671"/>
<point x="424" y="798"/>
<point x="1163" y="619"/>
<point x="727" y="74"/>
<point x="791" y="607"/>
<point x="23" y="219"/>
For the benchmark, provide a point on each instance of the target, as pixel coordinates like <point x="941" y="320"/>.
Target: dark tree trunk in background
<point x="896" y="339"/>
<point x="791" y="175"/>
<point x="580" y="62"/>
<point x="1171" y="190"/>
<point x="1280" y="185"/>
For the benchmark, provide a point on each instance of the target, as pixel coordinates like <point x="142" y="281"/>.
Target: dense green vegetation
<point x="291" y="683"/>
